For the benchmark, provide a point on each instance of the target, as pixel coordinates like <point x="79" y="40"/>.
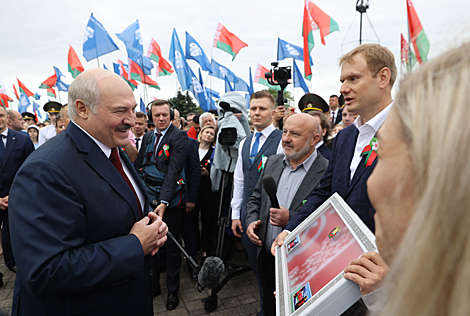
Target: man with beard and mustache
<point x="297" y="172"/>
<point x="89" y="249"/>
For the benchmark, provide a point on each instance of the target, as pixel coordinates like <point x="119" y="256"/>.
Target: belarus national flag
<point x="51" y="92"/>
<point x="227" y="41"/>
<point x="155" y="53"/>
<point x="75" y="66"/>
<point x="418" y="36"/>
<point x="4" y="98"/>
<point x="138" y="74"/>
<point x="260" y="77"/>
<point x="49" y="82"/>
<point x="23" y="89"/>
<point x="123" y="72"/>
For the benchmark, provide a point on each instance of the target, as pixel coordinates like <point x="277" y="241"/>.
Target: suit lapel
<point x="140" y="184"/>
<point x="261" y="151"/>
<point x="11" y="141"/>
<point x="344" y="159"/>
<point x="164" y="139"/>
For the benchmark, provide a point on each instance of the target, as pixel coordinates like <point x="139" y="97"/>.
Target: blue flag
<point x="241" y="85"/>
<point x="61" y="86"/>
<point x="199" y="93"/>
<point x="36" y="109"/>
<point x="117" y="69"/>
<point x="58" y="73"/>
<point x="228" y="86"/>
<point x="194" y="51"/>
<point x="247" y="98"/>
<point x="213" y="106"/>
<point x="97" y="41"/>
<point x="252" y="90"/>
<point x="287" y="50"/>
<point x="104" y="66"/>
<point x="36" y="96"/>
<point x="24" y="103"/>
<point x="142" y="106"/>
<point x="132" y="38"/>
<point x="179" y="62"/>
<point x="146" y="62"/>
<point x="299" y="81"/>
<point x="221" y="72"/>
<point x="213" y="93"/>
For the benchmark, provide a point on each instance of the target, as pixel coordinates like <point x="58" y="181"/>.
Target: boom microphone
<point x="270" y="187"/>
<point x="210" y="272"/>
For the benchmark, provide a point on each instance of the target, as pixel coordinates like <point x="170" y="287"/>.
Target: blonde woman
<point x="420" y="189"/>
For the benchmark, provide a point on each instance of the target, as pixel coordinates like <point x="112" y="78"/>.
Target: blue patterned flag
<point x="36" y="96"/>
<point x="199" y="92"/>
<point x="142" y="106"/>
<point x="221" y="72"/>
<point x="61" y="86"/>
<point x="299" y="81"/>
<point x="132" y="38"/>
<point x="213" y="93"/>
<point x="213" y="106"/>
<point x="36" y="109"/>
<point x="228" y="86"/>
<point x="24" y="103"/>
<point x="241" y="85"/>
<point x="97" y="41"/>
<point x="146" y="62"/>
<point x="179" y="62"/>
<point x="195" y="51"/>
<point x="287" y="50"/>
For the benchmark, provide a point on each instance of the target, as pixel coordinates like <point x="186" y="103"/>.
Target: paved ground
<point x="239" y="296"/>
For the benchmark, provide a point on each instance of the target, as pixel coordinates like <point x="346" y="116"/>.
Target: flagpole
<point x="409" y="36"/>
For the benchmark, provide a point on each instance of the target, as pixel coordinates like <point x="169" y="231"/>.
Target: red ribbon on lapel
<point x="371" y="151"/>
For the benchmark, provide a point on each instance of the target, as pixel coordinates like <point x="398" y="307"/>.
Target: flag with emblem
<point x="97" y="41"/>
<point x="24" y="103"/>
<point x="299" y="82"/>
<point x="227" y="41"/>
<point x="4" y="98"/>
<point x="179" y="62"/>
<point x="194" y="51"/>
<point x="23" y="89"/>
<point x="407" y="55"/>
<point x="199" y="92"/>
<point x="260" y="77"/>
<point x="418" y="36"/>
<point x="154" y="53"/>
<point x="288" y="50"/>
<point x="75" y="66"/>
<point x="132" y="38"/>
<point x="122" y="70"/>
<point x="219" y="71"/>
<point x="61" y="86"/>
<point x="137" y="74"/>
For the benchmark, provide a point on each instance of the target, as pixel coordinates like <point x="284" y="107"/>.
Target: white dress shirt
<point x="366" y="133"/>
<point x="46" y="133"/>
<point x="238" y="176"/>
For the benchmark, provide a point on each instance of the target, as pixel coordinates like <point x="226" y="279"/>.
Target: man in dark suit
<point x="367" y="75"/>
<point x="164" y="150"/>
<point x="300" y="169"/>
<point x="86" y="244"/>
<point x="335" y="110"/>
<point x="15" y="147"/>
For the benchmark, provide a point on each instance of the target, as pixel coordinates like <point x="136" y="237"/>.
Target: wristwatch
<point x="165" y="202"/>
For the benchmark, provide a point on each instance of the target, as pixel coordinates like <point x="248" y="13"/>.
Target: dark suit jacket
<point x="259" y="204"/>
<point x="172" y="166"/>
<point x="324" y="151"/>
<point x="19" y="146"/>
<point x="339" y="117"/>
<point x="72" y="246"/>
<point x="193" y="172"/>
<point x="337" y="179"/>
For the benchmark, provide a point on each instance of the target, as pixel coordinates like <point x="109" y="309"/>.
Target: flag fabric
<point x="36" y="109"/>
<point x="16" y="92"/>
<point x="23" y="89"/>
<point x="228" y="42"/>
<point x="199" y="92"/>
<point x="4" y="98"/>
<point x="104" y="67"/>
<point x="146" y="63"/>
<point x="219" y="71"/>
<point x="241" y="85"/>
<point x="123" y="71"/>
<point x="418" y="36"/>
<point x="36" y="96"/>
<point x="61" y="86"/>
<point x="194" y="51"/>
<point x="320" y="20"/>
<point x="155" y="54"/>
<point x="407" y="55"/>
<point x="137" y="74"/>
<point x="211" y="102"/>
<point x="74" y="64"/>
<point x="24" y="103"/>
<point x="49" y="82"/>
<point x="179" y="62"/>
<point x="51" y="92"/>
<point x="228" y="86"/>
<point x="97" y="41"/>
<point x="252" y="90"/>
<point x="260" y="77"/>
<point x="132" y="38"/>
<point x="213" y="93"/>
<point x="298" y="80"/>
<point x="142" y="106"/>
<point x="287" y="50"/>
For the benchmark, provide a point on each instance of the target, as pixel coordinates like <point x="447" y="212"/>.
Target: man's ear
<point x="384" y="77"/>
<point x="82" y="109"/>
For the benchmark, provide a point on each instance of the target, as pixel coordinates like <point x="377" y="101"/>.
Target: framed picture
<point x="310" y="263"/>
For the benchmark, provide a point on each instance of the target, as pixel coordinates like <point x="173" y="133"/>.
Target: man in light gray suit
<point x="296" y="172"/>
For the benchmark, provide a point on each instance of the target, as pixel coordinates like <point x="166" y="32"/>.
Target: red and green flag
<point x="260" y="77"/>
<point x="407" y="55"/>
<point x="16" y="92"/>
<point x="23" y="89"/>
<point x="227" y="41"/>
<point x="75" y="66"/>
<point x="49" y="82"/>
<point x="314" y="19"/>
<point x="4" y="98"/>
<point x="138" y="74"/>
<point x="155" y="53"/>
<point x="51" y="92"/>
<point x="418" y="36"/>
<point x="125" y="75"/>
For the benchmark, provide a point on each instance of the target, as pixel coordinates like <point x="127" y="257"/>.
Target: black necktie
<point x="2" y="148"/>
<point x="137" y="140"/>
<point x="156" y="142"/>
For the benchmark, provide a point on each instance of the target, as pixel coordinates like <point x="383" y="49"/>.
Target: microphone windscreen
<point x="270" y="187"/>
<point x="210" y="272"/>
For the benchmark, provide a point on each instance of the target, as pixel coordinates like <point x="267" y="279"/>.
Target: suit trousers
<point x="266" y="268"/>
<point x="173" y="217"/>
<point x="6" y="243"/>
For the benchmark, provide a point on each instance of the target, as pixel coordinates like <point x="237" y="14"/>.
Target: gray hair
<point x="206" y="114"/>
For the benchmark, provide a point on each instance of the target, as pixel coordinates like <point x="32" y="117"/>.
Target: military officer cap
<point x="28" y="116"/>
<point x="313" y="102"/>
<point x="52" y="107"/>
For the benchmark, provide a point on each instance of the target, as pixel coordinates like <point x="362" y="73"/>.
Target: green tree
<point x="184" y="103"/>
<point x="287" y="95"/>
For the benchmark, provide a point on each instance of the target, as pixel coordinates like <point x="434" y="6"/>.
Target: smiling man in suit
<point x="85" y="246"/>
<point x="367" y="75"/>
<point x="297" y="173"/>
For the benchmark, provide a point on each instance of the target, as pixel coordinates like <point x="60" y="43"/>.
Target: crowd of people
<point x="111" y="184"/>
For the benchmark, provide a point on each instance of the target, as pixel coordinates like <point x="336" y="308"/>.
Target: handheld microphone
<point x="210" y="272"/>
<point x="270" y="187"/>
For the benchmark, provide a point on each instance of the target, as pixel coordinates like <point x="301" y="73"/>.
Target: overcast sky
<point x="35" y="35"/>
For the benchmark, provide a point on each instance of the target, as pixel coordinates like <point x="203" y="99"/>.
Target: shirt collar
<point x="307" y="162"/>
<point x="267" y="130"/>
<point x="163" y="132"/>
<point x="106" y="150"/>
<point x="319" y="144"/>
<point x="376" y="121"/>
<point x="5" y="132"/>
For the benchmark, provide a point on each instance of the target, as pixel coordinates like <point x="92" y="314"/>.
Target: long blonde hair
<point x="430" y="273"/>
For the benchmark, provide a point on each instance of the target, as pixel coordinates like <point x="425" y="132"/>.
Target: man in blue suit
<point x="86" y="245"/>
<point x="367" y="75"/>
<point x="15" y="147"/>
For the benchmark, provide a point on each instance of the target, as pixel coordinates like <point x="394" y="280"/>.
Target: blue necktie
<point x="254" y="149"/>
<point x="2" y="148"/>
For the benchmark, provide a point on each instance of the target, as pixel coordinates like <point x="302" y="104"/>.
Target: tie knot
<point x="114" y="155"/>
<point x="258" y="135"/>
